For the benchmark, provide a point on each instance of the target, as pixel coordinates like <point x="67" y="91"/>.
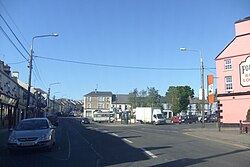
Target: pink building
<point x="233" y="75"/>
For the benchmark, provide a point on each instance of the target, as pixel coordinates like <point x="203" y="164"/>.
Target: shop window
<point x="229" y="83"/>
<point x="228" y="64"/>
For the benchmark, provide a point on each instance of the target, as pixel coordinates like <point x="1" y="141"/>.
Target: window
<point x="229" y="83"/>
<point x="228" y="64"/>
<point x="107" y="106"/>
<point x="100" y="105"/>
<point x="89" y="105"/>
<point x="88" y="98"/>
<point x="100" y="98"/>
<point x="108" y="99"/>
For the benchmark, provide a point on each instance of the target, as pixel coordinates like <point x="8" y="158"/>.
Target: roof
<point x="120" y="98"/>
<point x="242" y="20"/>
<point x="243" y="35"/>
<point x="98" y="94"/>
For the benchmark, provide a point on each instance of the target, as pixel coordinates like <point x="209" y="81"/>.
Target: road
<point x="134" y="145"/>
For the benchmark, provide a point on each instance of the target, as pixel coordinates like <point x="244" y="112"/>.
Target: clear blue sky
<point x="130" y="33"/>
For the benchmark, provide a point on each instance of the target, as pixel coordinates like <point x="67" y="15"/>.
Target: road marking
<point x="149" y="153"/>
<point x="105" y="131"/>
<point x="218" y="141"/>
<point x="114" y="134"/>
<point x="126" y="140"/>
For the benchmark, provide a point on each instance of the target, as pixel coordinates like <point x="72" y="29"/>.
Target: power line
<point x="13" y="21"/>
<point x="5" y="34"/>
<point x="14" y="35"/>
<point x="119" y="66"/>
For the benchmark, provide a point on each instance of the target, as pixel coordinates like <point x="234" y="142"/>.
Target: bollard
<point x="240" y="126"/>
<point x="246" y="129"/>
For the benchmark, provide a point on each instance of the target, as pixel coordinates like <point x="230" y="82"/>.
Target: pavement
<point x="227" y="135"/>
<point x="4" y="134"/>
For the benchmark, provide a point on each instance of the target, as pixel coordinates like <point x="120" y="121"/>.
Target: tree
<point x="133" y="98"/>
<point x="248" y="115"/>
<point x="178" y="97"/>
<point x="142" y="98"/>
<point x="153" y="98"/>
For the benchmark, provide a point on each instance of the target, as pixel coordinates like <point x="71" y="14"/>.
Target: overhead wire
<point x="119" y="66"/>
<point x="36" y="68"/>
<point x="6" y="35"/>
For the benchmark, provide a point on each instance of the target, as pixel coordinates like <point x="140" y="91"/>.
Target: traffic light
<point x="218" y="111"/>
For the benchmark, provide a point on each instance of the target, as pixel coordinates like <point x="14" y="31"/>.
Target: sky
<point x="116" y="45"/>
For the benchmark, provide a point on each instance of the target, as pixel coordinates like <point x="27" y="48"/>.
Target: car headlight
<point x="45" y="137"/>
<point x="12" y="139"/>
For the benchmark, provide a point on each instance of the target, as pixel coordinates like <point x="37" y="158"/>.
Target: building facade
<point x="96" y="100"/>
<point x="233" y="75"/>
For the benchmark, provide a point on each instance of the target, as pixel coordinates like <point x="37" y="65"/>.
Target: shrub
<point x="248" y="115"/>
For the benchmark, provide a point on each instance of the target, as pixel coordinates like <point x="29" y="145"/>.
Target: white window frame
<point x="108" y="99"/>
<point x="228" y="83"/>
<point x="100" y="98"/>
<point x="228" y="64"/>
<point x="100" y="106"/>
<point x="89" y="105"/>
<point x="88" y="98"/>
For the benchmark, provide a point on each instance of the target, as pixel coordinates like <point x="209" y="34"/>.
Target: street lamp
<point x="30" y="65"/>
<point x="202" y="83"/>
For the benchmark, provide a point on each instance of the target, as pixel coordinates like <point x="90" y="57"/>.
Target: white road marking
<point x="126" y="140"/>
<point x="114" y="134"/>
<point x="105" y="131"/>
<point x="149" y="153"/>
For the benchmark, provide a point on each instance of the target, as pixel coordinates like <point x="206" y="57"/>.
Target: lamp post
<point x="202" y="83"/>
<point x="56" y="83"/>
<point x="30" y="66"/>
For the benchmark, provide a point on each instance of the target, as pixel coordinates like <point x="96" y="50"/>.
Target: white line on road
<point x="114" y="134"/>
<point x="126" y="140"/>
<point x="149" y="153"/>
<point x="105" y="131"/>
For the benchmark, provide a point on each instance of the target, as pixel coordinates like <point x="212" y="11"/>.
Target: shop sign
<point x="7" y="100"/>
<point x="245" y="72"/>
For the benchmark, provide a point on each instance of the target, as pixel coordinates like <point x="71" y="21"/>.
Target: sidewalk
<point x="4" y="134"/>
<point x="230" y="136"/>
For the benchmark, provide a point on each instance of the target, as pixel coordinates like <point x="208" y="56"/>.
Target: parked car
<point x="32" y="133"/>
<point x="189" y="119"/>
<point x="175" y="120"/>
<point x="85" y="121"/>
<point x="53" y="119"/>
<point x="213" y="118"/>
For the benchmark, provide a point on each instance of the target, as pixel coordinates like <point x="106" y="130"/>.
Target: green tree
<point x="178" y="97"/>
<point x="153" y="98"/>
<point x="133" y="98"/>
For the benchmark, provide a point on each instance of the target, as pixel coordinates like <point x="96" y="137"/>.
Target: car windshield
<point x="159" y="116"/>
<point x="32" y="125"/>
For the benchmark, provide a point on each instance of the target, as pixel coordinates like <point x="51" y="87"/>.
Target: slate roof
<point x="99" y="94"/>
<point x="120" y="98"/>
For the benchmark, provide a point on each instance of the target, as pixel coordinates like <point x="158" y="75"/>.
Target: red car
<point x="175" y="120"/>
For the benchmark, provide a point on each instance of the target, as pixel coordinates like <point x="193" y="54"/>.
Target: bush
<point x="248" y="115"/>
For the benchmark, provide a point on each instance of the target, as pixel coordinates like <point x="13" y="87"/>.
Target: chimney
<point x="242" y="26"/>
<point x="1" y="65"/>
<point x="15" y="74"/>
<point x="6" y="69"/>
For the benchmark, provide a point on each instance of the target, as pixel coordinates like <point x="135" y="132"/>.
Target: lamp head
<point x="183" y="49"/>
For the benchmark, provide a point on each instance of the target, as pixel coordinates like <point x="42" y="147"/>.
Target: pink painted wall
<point x="234" y="107"/>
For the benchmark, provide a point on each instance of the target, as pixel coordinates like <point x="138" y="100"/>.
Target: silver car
<point x="32" y="133"/>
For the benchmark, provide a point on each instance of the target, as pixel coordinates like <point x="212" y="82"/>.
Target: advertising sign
<point x="210" y="84"/>
<point x="245" y="72"/>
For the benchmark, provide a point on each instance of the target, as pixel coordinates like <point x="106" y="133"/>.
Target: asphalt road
<point x="136" y="145"/>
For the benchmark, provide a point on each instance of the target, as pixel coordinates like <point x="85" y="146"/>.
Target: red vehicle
<point x="175" y="120"/>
